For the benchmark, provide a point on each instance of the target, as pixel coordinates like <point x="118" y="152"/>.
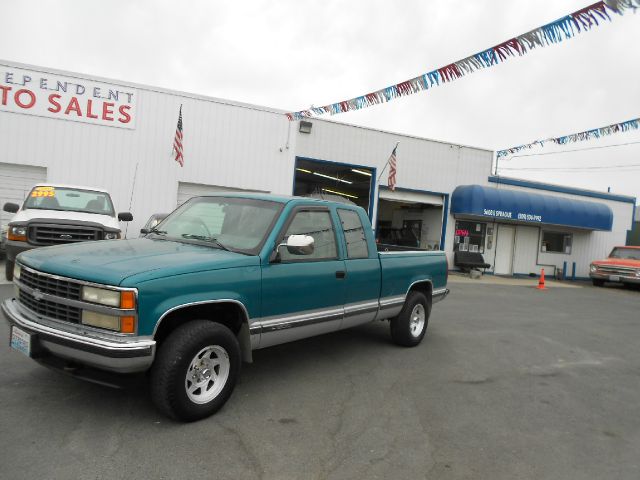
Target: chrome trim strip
<point x="390" y="302"/>
<point x="413" y="252"/>
<point x="202" y="302"/>
<point x="439" y="295"/>
<point x="82" y="282"/>
<point x="361" y="307"/>
<point x="270" y="324"/>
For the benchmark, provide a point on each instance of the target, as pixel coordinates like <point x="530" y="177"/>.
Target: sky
<point x="291" y="54"/>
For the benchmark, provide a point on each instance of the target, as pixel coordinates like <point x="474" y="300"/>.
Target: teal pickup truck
<point x="220" y="277"/>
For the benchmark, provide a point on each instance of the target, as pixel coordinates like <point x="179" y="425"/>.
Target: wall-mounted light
<point x="361" y="172"/>
<point x="339" y="193"/>
<point x="305" y="127"/>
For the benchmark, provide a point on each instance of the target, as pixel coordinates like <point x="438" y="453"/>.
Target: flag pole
<point x="386" y="165"/>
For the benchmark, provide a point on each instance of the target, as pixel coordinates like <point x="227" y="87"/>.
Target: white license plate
<point x="614" y="278"/>
<point x="21" y="341"/>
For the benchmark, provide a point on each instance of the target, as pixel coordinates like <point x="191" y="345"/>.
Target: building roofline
<point x="398" y="134"/>
<point x="221" y="101"/>
<point x="140" y="86"/>
<point x="561" y="189"/>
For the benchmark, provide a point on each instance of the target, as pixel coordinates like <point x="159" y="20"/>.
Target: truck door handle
<point x="341" y="274"/>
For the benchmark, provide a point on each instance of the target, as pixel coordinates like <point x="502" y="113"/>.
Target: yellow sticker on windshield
<point x="43" y="192"/>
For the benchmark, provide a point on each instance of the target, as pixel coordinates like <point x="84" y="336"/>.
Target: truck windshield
<point x="69" y="199"/>
<point x="236" y="224"/>
<point x="626" y="253"/>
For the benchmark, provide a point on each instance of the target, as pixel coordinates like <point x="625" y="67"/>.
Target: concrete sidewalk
<point x="457" y="277"/>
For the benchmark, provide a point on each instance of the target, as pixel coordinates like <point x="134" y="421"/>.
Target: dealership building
<point x="77" y="129"/>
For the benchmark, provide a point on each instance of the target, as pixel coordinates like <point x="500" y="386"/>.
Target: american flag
<point x="177" y="141"/>
<point x="392" y="169"/>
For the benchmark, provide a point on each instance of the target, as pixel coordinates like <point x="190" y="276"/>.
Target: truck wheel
<point x="8" y="270"/>
<point x="598" y="282"/>
<point x="409" y="327"/>
<point x="195" y="370"/>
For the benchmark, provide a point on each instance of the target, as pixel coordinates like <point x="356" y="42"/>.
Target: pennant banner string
<point x="576" y="137"/>
<point x="555" y="32"/>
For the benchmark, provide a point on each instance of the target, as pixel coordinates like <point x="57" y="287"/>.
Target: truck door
<point x="303" y="295"/>
<point x="362" y="281"/>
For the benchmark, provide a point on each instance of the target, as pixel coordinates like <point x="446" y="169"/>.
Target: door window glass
<point x="316" y="224"/>
<point x="353" y="234"/>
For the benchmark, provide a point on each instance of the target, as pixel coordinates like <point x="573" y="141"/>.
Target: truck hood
<point x="619" y="262"/>
<point x="110" y="262"/>
<point x="33" y="213"/>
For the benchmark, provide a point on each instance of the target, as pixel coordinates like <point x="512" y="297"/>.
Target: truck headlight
<point x="17" y="269"/>
<point x="593" y="268"/>
<point x="111" y="235"/>
<point x="18" y="234"/>
<point x="102" y="296"/>
<point x="112" y="298"/>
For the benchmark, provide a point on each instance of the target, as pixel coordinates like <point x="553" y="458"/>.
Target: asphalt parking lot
<point x="510" y="383"/>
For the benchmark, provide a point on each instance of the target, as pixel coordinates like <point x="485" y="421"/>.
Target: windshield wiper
<point x="204" y="238"/>
<point x="157" y="232"/>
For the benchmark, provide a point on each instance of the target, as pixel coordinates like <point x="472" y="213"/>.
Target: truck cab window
<point x="316" y="224"/>
<point x="353" y="234"/>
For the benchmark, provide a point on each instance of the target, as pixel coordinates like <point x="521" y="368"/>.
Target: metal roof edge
<point x="561" y="189"/>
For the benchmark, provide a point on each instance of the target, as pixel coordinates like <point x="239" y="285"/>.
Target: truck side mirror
<point x="300" y="244"/>
<point x="11" y="207"/>
<point x="125" y="217"/>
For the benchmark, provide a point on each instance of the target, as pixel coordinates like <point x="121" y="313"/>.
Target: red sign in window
<point x="462" y="232"/>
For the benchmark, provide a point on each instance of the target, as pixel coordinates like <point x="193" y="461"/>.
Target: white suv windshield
<point x="69" y="199"/>
<point x="238" y="224"/>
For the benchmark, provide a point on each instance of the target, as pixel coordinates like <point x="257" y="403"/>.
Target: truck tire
<point x="597" y="282"/>
<point x="195" y="370"/>
<point x="409" y="327"/>
<point x="8" y="269"/>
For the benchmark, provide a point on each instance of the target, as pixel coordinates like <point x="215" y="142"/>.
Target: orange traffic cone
<point x="541" y="281"/>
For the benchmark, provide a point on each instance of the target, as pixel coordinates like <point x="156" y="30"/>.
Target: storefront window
<point x="556" y="242"/>
<point x="469" y="237"/>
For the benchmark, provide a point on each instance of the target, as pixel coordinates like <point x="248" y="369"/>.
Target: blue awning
<point x="519" y="206"/>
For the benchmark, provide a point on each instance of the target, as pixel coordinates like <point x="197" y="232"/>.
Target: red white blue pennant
<point x="555" y="32"/>
<point x="576" y="137"/>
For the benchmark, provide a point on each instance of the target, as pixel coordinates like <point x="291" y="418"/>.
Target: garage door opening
<point x="409" y="219"/>
<point x="335" y="181"/>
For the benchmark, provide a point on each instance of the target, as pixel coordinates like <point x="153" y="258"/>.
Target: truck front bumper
<point x="605" y="277"/>
<point x="129" y="356"/>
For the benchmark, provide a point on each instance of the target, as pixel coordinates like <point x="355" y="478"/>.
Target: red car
<point x="622" y="266"/>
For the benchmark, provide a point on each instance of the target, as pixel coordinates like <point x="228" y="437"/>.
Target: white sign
<point x="68" y="98"/>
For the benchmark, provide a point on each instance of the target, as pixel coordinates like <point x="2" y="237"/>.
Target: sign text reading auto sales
<point x="68" y="98"/>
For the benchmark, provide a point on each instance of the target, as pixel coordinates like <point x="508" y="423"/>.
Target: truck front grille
<point x="52" y="234"/>
<point x="50" y="285"/>
<point x="616" y="270"/>
<point x="50" y="309"/>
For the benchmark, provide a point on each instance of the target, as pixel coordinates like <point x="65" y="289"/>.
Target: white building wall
<point x="422" y="164"/>
<point x="225" y="144"/>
